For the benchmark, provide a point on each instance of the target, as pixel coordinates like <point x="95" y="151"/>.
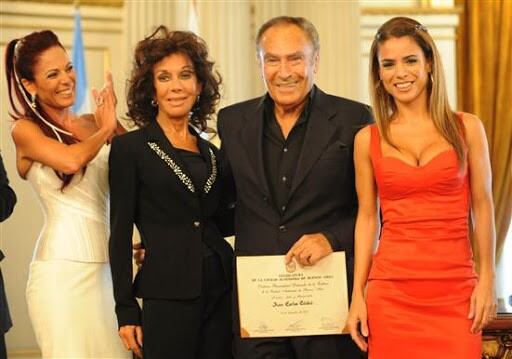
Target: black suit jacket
<point x="7" y="195"/>
<point x="322" y="196"/>
<point x="7" y="202"/>
<point x="172" y="220"/>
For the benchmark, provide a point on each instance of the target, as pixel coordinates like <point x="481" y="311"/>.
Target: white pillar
<point x="225" y="27"/>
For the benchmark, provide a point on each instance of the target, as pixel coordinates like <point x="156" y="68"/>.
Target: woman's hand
<point x="483" y="305"/>
<point x="357" y="318"/>
<point x="131" y="335"/>
<point x="105" y="100"/>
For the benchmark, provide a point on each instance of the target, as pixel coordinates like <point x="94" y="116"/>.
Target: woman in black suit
<point x="166" y="179"/>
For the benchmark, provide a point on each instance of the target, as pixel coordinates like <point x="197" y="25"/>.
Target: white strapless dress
<point x="69" y="290"/>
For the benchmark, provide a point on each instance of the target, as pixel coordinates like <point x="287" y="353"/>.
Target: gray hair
<point x="305" y="25"/>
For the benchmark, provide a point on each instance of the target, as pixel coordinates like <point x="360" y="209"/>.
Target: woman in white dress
<point x="64" y="157"/>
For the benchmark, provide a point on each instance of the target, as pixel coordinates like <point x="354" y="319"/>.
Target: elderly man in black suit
<point x="290" y="154"/>
<point x="7" y="202"/>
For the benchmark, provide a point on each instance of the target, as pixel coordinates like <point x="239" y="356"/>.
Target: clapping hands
<point x="106" y="101"/>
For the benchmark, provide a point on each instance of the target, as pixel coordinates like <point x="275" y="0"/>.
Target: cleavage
<point x="422" y="158"/>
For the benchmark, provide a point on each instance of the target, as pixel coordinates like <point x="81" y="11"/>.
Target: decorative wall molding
<point x="99" y="3"/>
<point x="411" y="11"/>
<point x="24" y="353"/>
<point x="497" y="338"/>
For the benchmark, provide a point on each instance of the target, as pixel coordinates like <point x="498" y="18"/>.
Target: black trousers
<point x="191" y="329"/>
<point x="5" y="317"/>
<point x="3" y="349"/>
<point x="310" y="347"/>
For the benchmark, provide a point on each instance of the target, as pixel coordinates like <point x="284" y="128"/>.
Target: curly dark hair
<point x="150" y="51"/>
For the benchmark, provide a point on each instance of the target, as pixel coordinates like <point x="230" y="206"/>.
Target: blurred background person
<point x="7" y="202"/>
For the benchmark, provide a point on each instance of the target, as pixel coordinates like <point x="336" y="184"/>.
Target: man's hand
<point x="309" y="249"/>
<point x="138" y="254"/>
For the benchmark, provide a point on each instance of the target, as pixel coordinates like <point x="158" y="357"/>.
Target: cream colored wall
<point x="405" y="3"/>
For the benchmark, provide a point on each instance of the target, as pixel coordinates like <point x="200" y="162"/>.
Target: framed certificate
<point x="277" y="300"/>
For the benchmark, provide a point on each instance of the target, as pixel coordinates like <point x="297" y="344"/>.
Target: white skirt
<point x="71" y="307"/>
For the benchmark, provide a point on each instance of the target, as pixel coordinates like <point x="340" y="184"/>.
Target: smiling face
<point x="54" y="79"/>
<point x="404" y="70"/>
<point x="288" y="64"/>
<point x="176" y="86"/>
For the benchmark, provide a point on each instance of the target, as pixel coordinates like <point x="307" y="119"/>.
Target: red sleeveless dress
<point x="422" y="274"/>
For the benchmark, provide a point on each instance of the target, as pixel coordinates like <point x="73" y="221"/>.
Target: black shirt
<point x="280" y="155"/>
<point x="198" y="170"/>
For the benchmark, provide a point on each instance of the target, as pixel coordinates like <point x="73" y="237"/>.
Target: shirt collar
<point x="304" y="116"/>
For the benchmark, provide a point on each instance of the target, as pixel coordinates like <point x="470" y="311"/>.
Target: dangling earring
<point x="431" y="78"/>
<point x="33" y="99"/>
<point x="154" y="103"/>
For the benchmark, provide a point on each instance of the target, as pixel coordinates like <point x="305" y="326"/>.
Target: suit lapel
<point x="155" y="134"/>
<point x="204" y="149"/>
<point x="318" y="134"/>
<point x="211" y="163"/>
<point x="252" y="140"/>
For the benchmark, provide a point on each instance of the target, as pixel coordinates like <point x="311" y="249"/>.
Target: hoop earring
<point x="33" y="103"/>
<point x="154" y="103"/>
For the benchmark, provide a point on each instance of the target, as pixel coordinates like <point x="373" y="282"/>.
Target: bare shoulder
<point x="24" y="128"/>
<point x="473" y="127"/>
<point x="363" y="137"/>
<point x="23" y="124"/>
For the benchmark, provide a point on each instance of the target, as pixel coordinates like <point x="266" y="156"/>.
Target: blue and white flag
<point x="82" y="100"/>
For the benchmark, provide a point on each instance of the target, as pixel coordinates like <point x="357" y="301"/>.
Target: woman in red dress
<point x="427" y="169"/>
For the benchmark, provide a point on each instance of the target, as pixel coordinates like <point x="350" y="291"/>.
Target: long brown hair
<point x="21" y="57"/>
<point x="384" y="106"/>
